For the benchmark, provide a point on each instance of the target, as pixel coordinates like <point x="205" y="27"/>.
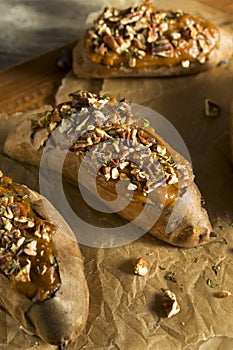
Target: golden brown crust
<point x="61" y="318"/>
<point x="194" y="228"/>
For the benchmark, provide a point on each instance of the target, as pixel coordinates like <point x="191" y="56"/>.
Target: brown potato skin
<point x="195" y="228"/>
<point x="60" y="319"/>
<point x="83" y="67"/>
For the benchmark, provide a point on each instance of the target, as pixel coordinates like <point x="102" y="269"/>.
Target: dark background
<point x="32" y="27"/>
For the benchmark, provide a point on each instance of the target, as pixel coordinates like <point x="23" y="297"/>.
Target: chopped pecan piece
<point x="111" y="42"/>
<point x="170" y="303"/>
<point x="141" y="268"/>
<point x="162" y="48"/>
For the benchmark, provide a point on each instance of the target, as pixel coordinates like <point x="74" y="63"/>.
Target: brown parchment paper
<point x="126" y="310"/>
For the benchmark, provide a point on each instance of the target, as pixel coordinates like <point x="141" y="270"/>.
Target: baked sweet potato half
<point x="124" y="153"/>
<point x="42" y="282"/>
<point x="142" y="41"/>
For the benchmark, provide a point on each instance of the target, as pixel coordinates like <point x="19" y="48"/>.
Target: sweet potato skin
<point x="60" y="319"/>
<point x="194" y="229"/>
<point x="83" y="67"/>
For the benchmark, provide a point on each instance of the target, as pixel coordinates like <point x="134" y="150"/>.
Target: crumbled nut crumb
<point x="170" y="303"/>
<point x="224" y="293"/>
<point x="140" y="268"/>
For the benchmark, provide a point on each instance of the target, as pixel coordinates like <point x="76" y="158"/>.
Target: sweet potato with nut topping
<point x="124" y="153"/>
<point x="142" y="41"/>
<point x="42" y="286"/>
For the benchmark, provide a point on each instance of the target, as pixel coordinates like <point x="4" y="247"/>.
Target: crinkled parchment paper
<point x="126" y="310"/>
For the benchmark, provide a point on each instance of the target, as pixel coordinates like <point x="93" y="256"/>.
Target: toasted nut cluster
<point x="129" y="37"/>
<point x="84" y="112"/>
<point x="92" y="120"/>
<point x="170" y="303"/>
<point x="25" y="243"/>
<point x="141" y="159"/>
<point x="140" y="268"/>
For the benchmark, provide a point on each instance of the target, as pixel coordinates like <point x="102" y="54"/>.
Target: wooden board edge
<point x="34" y="82"/>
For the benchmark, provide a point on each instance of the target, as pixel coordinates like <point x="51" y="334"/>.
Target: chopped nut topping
<point x="7" y="224"/>
<point x="170" y="303"/>
<point x="140" y="268"/>
<point x="94" y="119"/>
<point x="185" y="64"/>
<point x="115" y="174"/>
<point x="157" y="37"/>
<point x="132" y="187"/>
<point x="23" y="236"/>
<point x="8" y="213"/>
<point x="123" y="165"/>
<point x="24" y="273"/>
<point x="161" y="149"/>
<point x="159" y="172"/>
<point x="132" y="62"/>
<point x="65" y="108"/>
<point x="30" y="248"/>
